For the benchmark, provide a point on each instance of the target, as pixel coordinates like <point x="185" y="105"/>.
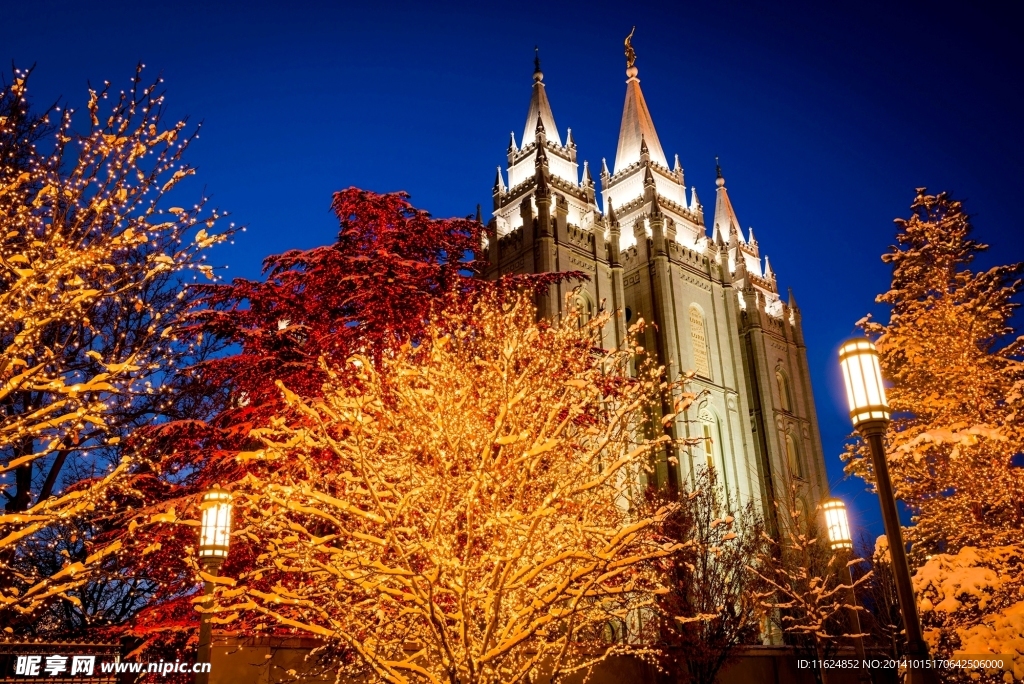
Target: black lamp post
<point x="214" y="540"/>
<point x="869" y="412"/>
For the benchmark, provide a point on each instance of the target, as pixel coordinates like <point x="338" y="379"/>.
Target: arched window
<point x="793" y="456"/>
<point x="699" y="339"/>
<point x="711" y="446"/>
<point x="582" y="308"/>
<point x="785" y="399"/>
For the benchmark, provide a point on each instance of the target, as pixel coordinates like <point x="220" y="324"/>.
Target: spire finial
<point x="719" y="180"/>
<point x="538" y="75"/>
<point x="631" y="69"/>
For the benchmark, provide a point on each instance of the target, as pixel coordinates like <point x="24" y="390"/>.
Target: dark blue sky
<point x="826" y="116"/>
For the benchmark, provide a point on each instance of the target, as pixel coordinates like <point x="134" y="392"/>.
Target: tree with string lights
<point x="806" y="592"/>
<point x="93" y="272"/>
<point x="463" y="509"/>
<point x="711" y="604"/>
<point x="954" y="361"/>
<point x="369" y="292"/>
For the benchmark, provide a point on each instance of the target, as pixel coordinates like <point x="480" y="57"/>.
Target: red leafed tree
<point x="368" y="293"/>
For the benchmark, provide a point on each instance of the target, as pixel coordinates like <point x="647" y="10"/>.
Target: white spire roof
<point x="725" y="215"/>
<point x="636" y="125"/>
<point x="540" y="108"/>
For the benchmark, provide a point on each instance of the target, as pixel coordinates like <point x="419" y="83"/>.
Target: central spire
<point x="637" y="126"/>
<point x="540" y="108"/>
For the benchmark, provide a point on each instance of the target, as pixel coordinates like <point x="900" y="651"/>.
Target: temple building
<point x="644" y="240"/>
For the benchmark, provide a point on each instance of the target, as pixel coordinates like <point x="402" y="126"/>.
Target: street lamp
<point x="214" y="540"/>
<point x="837" y="525"/>
<point x="869" y="412"/>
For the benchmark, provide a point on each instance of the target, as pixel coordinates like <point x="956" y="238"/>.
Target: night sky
<point x="826" y="116"/>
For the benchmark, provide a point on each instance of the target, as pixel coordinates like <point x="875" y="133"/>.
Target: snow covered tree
<point x="972" y="603"/>
<point x="954" y="361"/>
<point x="806" y="599"/>
<point x="92" y="268"/>
<point x="957" y="384"/>
<point x="711" y="604"/>
<point x="371" y="291"/>
<point x="458" y="510"/>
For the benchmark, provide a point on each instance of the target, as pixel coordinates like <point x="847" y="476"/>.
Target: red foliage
<point x="369" y="292"/>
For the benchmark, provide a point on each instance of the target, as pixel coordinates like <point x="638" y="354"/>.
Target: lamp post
<point x="869" y="412"/>
<point x="837" y="525"/>
<point x="214" y="540"/>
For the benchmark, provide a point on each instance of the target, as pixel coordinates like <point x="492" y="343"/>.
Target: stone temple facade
<point x="713" y="300"/>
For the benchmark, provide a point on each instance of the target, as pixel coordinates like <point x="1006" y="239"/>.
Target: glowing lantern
<point x="863" y="377"/>
<point x="215" y="531"/>
<point x="837" y="524"/>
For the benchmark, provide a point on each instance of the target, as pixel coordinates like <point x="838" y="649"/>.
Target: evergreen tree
<point x="957" y="433"/>
<point x="951" y="355"/>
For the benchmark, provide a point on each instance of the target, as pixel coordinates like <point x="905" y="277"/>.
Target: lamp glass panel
<point x="215" y="530"/>
<point x="837" y="525"/>
<point x="862" y="376"/>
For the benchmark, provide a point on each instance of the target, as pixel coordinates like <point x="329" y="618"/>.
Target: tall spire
<point x="540" y="108"/>
<point x="637" y="124"/>
<point x="725" y="216"/>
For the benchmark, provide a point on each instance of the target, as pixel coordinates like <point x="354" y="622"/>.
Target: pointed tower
<point x="540" y="108"/>
<point x="541" y="131"/>
<point x="547" y="219"/>
<point x="715" y="307"/>
<point x="637" y="127"/>
<point x="728" y="224"/>
<point x="640" y="154"/>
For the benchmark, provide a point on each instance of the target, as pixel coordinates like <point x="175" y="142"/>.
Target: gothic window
<point x="785" y="398"/>
<point x="708" y="444"/>
<point x="793" y="456"/>
<point x="699" y="340"/>
<point x="582" y="308"/>
<point x="711" y="446"/>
